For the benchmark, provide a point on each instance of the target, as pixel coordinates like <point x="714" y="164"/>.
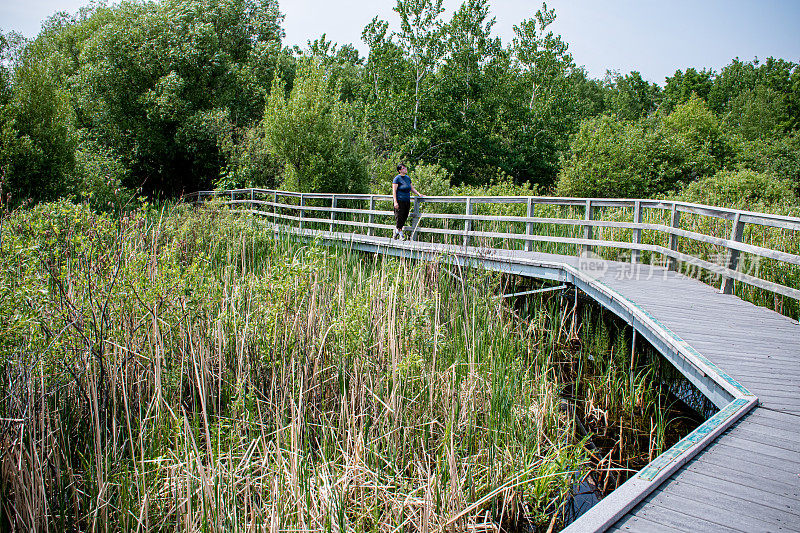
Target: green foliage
<point x="681" y="86"/>
<point x="630" y="97"/>
<point x="175" y="92"/>
<point x="420" y="38"/>
<point x="386" y="92"/>
<point x="606" y="159"/>
<point x="253" y="164"/>
<point x="776" y="156"/>
<point x="740" y="77"/>
<point x="166" y="84"/>
<point x="692" y="141"/>
<point x="100" y="174"/>
<point x="610" y="157"/>
<point x="743" y="189"/>
<point x="499" y="184"/>
<point x="757" y="113"/>
<point x="542" y="109"/>
<point x="313" y="134"/>
<point x="432" y="180"/>
<point x="460" y="124"/>
<point x="37" y="131"/>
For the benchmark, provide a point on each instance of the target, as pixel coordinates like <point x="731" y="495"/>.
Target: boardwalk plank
<point x="767" y="437"/>
<point x="736" y="461"/>
<point x="761" y="449"/>
<point x="695" y="503"/>
<point x="779" y="430"/>
<point x="771" y="419"/>
<point x="757" y="480"/>
<point x="778" y="505"/>
<point x="673" y="520"/>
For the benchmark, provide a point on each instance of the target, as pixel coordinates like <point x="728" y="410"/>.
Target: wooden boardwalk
<point x="738" y="471"/>
<point x="748" y="479"/>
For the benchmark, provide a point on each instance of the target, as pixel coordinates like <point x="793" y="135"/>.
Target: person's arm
<point x="394" y="195"/>
<point x="415" y="191"/>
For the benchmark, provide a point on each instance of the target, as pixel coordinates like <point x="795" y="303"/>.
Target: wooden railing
<point x="714" y="238"/>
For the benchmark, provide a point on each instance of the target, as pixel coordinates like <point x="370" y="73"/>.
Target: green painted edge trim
<point x="659" y="463"/>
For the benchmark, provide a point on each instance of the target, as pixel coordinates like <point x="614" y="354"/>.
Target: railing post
<point x="587" y="230"/>
<point x="302" y="211"/>
<point x="637" y="232"/>
<point x="468" y="222"/>
<point x="371" y="219"/>
<point x="275" y="207"/>
<point x="414" y="219"/>
<point x="529" y="226"/>
<point x="333" y="210"/>
<point x="726" y="286"/>
<point x="675" y="222"/>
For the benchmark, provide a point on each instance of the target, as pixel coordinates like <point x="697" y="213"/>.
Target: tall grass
<point x="184" y="369"/>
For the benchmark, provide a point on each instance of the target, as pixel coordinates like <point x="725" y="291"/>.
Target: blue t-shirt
<point x="403" y="188"/>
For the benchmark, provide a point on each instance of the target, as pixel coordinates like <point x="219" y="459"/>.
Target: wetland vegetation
<point x="189" y="369"/>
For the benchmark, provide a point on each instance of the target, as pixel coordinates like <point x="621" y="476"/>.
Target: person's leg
<point x="401" y="215"/>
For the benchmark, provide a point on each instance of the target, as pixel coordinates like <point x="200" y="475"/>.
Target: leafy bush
<point x="607" y="159"/>
<point x="313" y="134"/>
<point x="610" y="157"/>
<point x="744" y="189"/>
<point x="252" y="163"/>
<point x="757" y="113"/>
<point x="100" y="174"/>
<point x="776" y="156"/>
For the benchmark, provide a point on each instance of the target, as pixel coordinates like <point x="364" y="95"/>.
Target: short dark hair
<point x="400" y="165"/>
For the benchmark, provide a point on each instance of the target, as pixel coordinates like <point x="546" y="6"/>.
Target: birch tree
<point x="420" y="38"/>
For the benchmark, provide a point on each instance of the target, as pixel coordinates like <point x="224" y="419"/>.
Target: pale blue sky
<point x="653" y="37"/>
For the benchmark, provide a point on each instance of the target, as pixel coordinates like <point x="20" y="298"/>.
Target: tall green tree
<point x="682" y="85"/>
<point x="630" y="97"/>
<point x="169" y="85"/>
<point x="388" y="92"/>
<point x="545" y="110"/>
<point x="37" y="129"/>
<point x="420" y="37"/>
<point x="462" y="125"/>
<point x="313" y="134"/>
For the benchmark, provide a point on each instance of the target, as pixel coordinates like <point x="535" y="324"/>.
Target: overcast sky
<point x="653" y="37"/>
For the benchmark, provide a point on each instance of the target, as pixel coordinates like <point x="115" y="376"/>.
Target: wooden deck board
<point x="761" y="480"/>
<point x="655" y="518"/>
<point x="694" y="503"/>
<point x="782" y="505"/>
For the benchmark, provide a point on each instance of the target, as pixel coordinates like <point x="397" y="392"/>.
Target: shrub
<point x="313" y="134"/>
<point x="776" y="156"/>
<point x="610" y="157"/>
<point x="100" y="174"/>
<point x="744" y="189"/>
<point x="607" y="159"/>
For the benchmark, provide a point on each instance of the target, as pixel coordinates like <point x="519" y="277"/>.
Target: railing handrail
<point x="726" y="213"/>
<point x="728" y="271"/>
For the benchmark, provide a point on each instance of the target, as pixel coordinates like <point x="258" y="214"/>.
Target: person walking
<point x="401" y="193"/>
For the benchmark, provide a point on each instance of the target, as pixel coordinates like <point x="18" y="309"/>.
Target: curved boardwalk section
<point x="749" y="478"/>
<point x="738" y="471"/>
